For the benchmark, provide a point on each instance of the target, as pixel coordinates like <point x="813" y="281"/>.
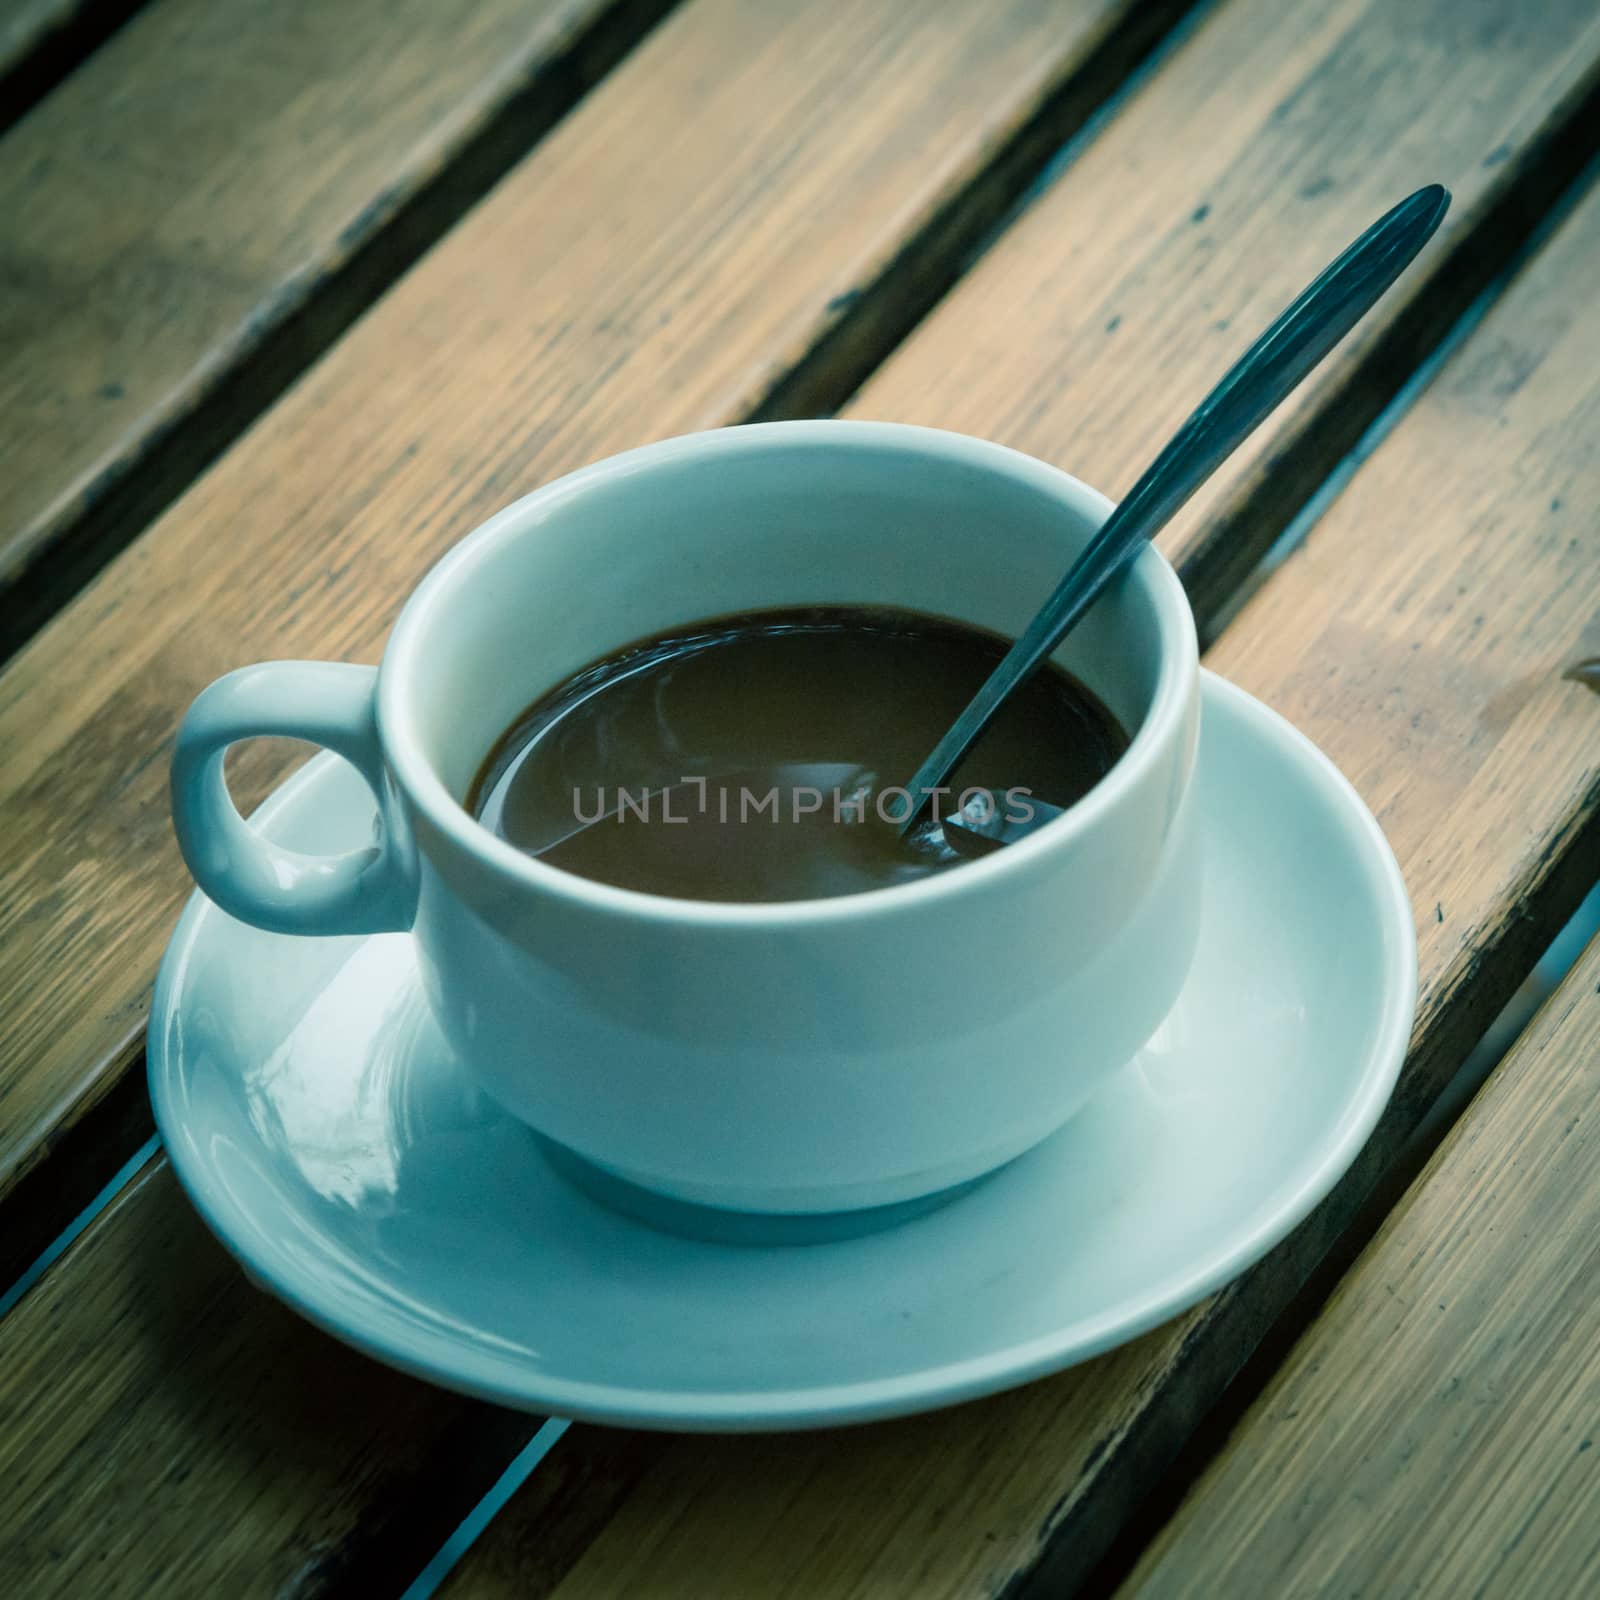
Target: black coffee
<point x="755" y="757"/>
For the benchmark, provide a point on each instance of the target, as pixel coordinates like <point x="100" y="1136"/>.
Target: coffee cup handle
<point x="332" y="704"/>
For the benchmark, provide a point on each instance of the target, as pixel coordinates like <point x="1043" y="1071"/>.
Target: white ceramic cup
<point x="798" y="1057"/>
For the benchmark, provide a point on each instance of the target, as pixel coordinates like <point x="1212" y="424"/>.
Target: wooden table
<point x="295" y="295"/>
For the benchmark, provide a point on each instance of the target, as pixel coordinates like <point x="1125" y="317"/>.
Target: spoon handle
<point x="1267" y="372"/>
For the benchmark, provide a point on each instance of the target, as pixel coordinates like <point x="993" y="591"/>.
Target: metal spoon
<point x="1264" y="376"/>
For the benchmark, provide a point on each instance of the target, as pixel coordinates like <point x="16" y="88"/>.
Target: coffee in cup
<point x="759" y="757"/>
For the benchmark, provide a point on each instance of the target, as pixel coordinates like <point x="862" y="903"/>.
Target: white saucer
<point x="338" y="1150"/>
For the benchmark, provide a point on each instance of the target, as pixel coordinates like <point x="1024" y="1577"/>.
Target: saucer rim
<point x="426" y="1354"/>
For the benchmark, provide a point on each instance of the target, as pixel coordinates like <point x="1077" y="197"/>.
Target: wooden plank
<point x="743" y="225"/>
<point x="210" y="198"/>
<point x="1433" y="1432"/>
<point x="164" y="1429"/>
<point x="1104" y="315"/>
<point x="542" y="332"/>
<point x="1419" y="637"/>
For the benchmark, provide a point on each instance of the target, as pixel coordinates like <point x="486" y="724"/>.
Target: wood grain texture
<point x="1433" y="1432"/>
<point x="205" y="181"/>
<point x="761" y="168"/>
<point x="1262" y="148"/>
<point x="165" y="1429"/>
<point x="1419" y="637"/>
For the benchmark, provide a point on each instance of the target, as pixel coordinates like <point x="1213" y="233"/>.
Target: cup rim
<point x="1177" y="672"/>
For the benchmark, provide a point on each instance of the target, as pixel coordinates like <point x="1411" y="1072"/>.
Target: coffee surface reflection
<point x="754" y="757"/>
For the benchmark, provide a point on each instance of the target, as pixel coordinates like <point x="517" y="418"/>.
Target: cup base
<point x="721" y="1225"/>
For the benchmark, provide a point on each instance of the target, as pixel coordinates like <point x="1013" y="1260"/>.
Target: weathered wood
<point x="210" y="198"/>
<point x="165" y="1429"/>
<point x="546" y="330"/>
<point x="1433" y="1432"/>
<point x="1420" y="637"/>
<point x="742" y="222"/>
